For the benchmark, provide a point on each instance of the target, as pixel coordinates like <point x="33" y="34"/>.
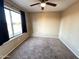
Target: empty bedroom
<point x="39" y="29"/>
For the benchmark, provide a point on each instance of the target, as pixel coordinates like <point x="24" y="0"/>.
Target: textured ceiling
<point x="61" y="5"/>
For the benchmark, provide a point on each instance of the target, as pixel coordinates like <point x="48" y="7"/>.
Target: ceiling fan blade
<point x="34" y="4"/>
<point x="51" y="4"/>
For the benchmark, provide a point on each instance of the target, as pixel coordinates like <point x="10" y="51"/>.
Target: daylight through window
<point x="13" y="20"/>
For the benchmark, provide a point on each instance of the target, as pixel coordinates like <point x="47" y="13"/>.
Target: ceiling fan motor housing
<point x="43" y="1"/>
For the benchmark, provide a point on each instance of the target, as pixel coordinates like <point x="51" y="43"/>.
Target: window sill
<point x="16" y="36"/>
<point x="13" y="39"/>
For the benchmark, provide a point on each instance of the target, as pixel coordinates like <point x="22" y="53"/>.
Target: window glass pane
<point x="8" y="20"/>
<point x="16" y="21"/>
<point x="13" y="20"/>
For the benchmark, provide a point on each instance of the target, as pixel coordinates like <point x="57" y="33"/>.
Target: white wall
<point x="45" y="24"/>
<point x="69" y="29"/>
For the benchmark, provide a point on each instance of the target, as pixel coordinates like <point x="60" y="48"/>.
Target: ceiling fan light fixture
<point x="43" y="4"/>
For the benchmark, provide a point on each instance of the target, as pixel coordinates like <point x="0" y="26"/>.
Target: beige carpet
<point x="42" y="48"/>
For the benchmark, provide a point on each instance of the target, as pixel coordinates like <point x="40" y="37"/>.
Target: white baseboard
<point x="47" y="36"/>
<point x="70" y="47"/>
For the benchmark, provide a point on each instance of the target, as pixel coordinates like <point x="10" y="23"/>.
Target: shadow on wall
<point x="30" y="28"/>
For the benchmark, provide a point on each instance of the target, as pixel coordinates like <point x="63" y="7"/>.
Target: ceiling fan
<point x="43" y="3"/>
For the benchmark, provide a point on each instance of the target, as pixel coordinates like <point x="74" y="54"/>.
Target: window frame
<point x="12" y="23"/>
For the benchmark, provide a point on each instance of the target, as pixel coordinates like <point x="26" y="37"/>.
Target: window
<point x="13" y="20"/>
